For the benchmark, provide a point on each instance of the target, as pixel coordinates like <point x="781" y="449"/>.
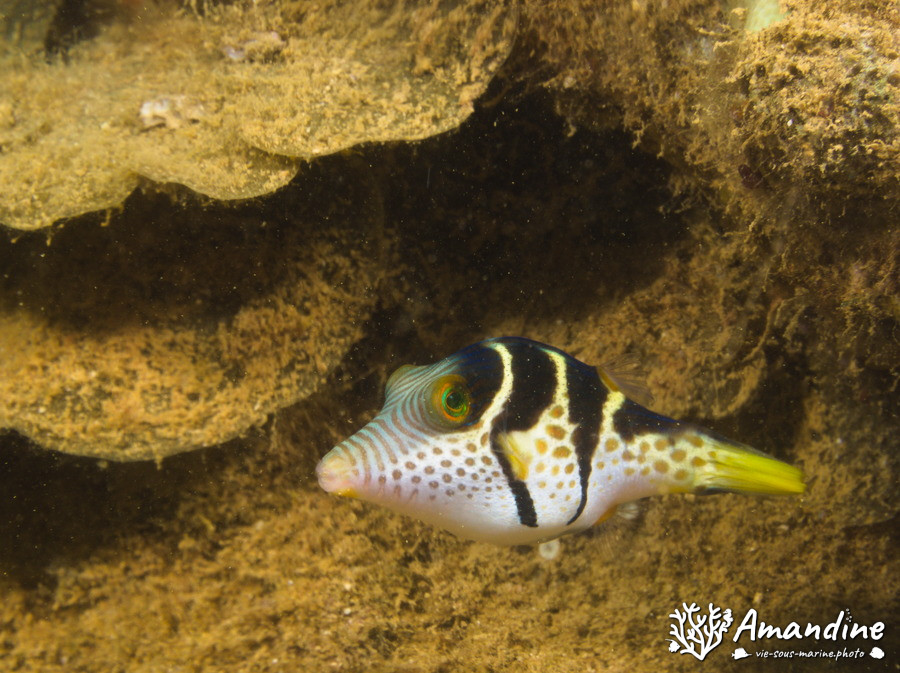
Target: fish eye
<point x="450" y="401"/>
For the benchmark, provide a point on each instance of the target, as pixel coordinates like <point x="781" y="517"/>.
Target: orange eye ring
<point x="450" y="401"/>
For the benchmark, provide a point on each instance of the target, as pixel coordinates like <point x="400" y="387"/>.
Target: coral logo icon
<point x="698" y="633"/>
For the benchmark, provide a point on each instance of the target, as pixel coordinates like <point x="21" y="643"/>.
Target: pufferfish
<point x="511" y="441"/>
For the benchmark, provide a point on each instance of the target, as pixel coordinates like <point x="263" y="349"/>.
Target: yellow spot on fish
<point x="645" y="470"/>
<point x="562" y="452"/>
<point x="629" y="471"/>
<point x="696" y="440"/>
<point x="644" y="446"/>
<point x="540" y="467"/>
<point x="541" y="446"/>
<point x="570" y="468"/>
<point x="612" y="444"/>
<point x="678" y="455"/>
<point x="681" y="475"/>
<point x="627" y="455"/>
<point x="660" y="444"/>
<point x="661" y="466"/>
<point x="697" y="461"/>
<point x="555" y="470"/>
<point x="556" y="431"/>
<point x="556" y="412"/>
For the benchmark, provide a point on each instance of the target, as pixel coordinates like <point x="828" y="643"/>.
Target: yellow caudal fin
<point x="739" y="468"/>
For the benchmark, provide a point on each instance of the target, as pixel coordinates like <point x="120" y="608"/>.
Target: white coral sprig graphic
<point x="696" y="634"/>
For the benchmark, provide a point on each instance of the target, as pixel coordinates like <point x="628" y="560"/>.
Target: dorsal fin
<point x="626" y="374"/>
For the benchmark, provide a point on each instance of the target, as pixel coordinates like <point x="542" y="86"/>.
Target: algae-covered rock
<point x="157" y="334"/>
<point x="818" y="104"/>
<point x="758" y="106"/>
<point x="230" y="103"/>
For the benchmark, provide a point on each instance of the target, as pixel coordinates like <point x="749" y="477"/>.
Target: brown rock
<point x="146" y="338"/>
<point x="230" y="103"/>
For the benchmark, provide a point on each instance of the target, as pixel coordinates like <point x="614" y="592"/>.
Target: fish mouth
<point x="335" y="474"/>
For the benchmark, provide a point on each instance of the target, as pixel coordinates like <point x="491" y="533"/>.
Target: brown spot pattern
<point x="562" y="452"/>
<point x="556" y="431"/>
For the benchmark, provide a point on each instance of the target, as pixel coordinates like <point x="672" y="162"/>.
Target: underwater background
<point x="226" y="224"/>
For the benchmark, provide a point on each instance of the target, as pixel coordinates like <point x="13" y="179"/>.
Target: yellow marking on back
<point x="613" y="401"/>
<point x="607" y="381"/>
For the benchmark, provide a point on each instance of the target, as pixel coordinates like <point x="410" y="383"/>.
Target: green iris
<point x="455" y="402"/>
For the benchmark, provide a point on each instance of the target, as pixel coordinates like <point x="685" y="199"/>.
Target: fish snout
<point x="336" y="473"/>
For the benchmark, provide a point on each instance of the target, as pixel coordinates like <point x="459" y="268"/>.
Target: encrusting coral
<point x="232" y="102"/>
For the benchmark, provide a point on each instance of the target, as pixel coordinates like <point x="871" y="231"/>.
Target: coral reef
<point x="262" y="86"/>
<point x="810" y="103"/>
<point x="155" y="334"/>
